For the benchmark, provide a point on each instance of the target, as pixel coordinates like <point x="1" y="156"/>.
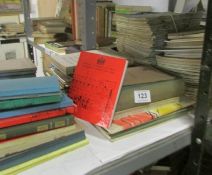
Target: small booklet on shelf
<point x="96" y="86"/>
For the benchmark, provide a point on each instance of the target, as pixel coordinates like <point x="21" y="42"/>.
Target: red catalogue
<point x="95" y="87"/>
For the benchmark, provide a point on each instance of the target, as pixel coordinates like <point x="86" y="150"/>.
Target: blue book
<point x="28" y="87"/>
<point x="66" y="102"/>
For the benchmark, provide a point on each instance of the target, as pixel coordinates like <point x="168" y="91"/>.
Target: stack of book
<point x="17" y="68"/>
<point x="12" y="5"/>
<point x="49" y="29"/>
<point x="126" y="100"/>
<point x="62" y="67"/>
<point x="64" y="47"/>
<point x="36" y="123"/>
<point x="140" y="34"/>
<point x="13" y="28"/>
<point x="57" y="26"/>
<point x="147" y="97"/>
<point x="182" y="55"/>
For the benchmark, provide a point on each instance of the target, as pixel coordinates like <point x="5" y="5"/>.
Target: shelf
<point x="121" y="157"/>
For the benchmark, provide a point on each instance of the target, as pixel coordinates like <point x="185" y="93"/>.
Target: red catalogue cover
<point x="95" y="87"/>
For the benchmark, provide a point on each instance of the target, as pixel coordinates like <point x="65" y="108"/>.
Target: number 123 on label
<point x="142" y="96"/>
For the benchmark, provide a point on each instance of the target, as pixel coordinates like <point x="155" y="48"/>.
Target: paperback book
<point x="96" y="86"/>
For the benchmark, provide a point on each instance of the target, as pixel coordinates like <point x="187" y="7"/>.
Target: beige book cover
<point x="160" y="86"/>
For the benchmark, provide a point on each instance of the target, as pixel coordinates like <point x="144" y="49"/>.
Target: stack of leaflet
<point x="182" y="55"/>
<point x="35" y="123"/>
<point x="17" y="68"/>
<point x="140" y="34"/>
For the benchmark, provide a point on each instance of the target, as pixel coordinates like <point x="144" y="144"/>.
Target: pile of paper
<point x="140" y="34"/>
<point x="182" y="55"/>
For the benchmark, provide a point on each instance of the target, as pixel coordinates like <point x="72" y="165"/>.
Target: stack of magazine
<point x="182" y="55"/>
<point x="140" y="34"/>
<point x="36" y="123"/>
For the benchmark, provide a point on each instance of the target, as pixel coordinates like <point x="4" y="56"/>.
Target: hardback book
<point x="20" y="74"/>
<point x="51" y="26"/>
<point x="17" y="145"/>
<point x="50" y="29"/>
<point x="156" y="84"/>
<point x="133" y="120"/>
<point x="28" y="118"/>
<point x="19" y="162"/>
<point x="65" y="102"/>
<point x="96" y="86"/>
<point x="16" y="66"/>
<point x="29" y="87"/>
<point x="25" y="102"/>
<point x="35" y="127"/>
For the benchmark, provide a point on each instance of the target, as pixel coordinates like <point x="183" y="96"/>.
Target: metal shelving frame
<point x="202" y="108"/>
<point x="88" y="22"/>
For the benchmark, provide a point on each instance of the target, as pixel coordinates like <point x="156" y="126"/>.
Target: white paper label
<point x="142" y="96"/>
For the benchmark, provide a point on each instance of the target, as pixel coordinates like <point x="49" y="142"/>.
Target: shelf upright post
<point x="202" y="108"/>
<point x="27" y="19"/>
<point x="88" y="24"/>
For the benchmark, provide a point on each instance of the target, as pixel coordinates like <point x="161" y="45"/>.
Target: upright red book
<point x="95" y="87"/>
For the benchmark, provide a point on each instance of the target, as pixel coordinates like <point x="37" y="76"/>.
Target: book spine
<point x="35" y="127"/>
<point x="20" y="103"/>
<point x="8" y="122"/>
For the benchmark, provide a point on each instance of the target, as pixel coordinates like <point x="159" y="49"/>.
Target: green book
<point x="25" y="102"/>
<point x="35" y="127"/>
